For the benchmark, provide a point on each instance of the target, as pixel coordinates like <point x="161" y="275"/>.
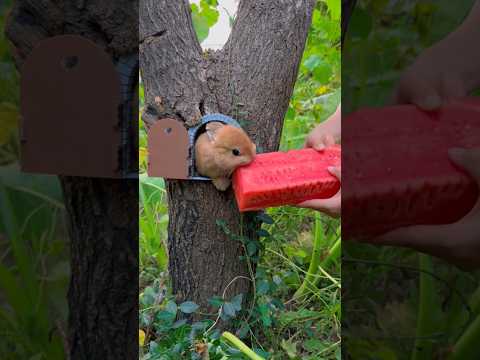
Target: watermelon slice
<point x="286" y="178"/>
<point x="396" y="169"/>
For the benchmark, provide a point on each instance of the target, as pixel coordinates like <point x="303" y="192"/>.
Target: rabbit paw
<point x="221" y="184"/>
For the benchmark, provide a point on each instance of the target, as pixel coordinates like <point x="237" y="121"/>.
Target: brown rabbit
<point x="220" y="150"/>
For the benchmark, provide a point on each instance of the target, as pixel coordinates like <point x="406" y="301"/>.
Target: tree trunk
<point x="347" y="10"/>
<point x="250" y="79"/>
<point x="102" y="213"/>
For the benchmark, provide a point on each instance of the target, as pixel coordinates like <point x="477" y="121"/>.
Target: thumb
<point x="335" y="171"/>
<point x="467" y="159"/>
<point x="419" y="93"/>
<point x="323" y="142"/>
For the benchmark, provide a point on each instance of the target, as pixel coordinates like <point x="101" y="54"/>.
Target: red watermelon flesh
<point x="286" y="178"/>
<point x="397" y="171"/>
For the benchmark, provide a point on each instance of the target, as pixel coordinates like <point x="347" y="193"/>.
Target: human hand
<point x="331" y="206"/>
<point x="326" y="133"/>
<point x="457" y="243"/>
<point x="448" y="70"/>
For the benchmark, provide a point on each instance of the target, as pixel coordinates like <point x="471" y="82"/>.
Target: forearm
<point x="463" y="42"/>
<point x="472" y="22"/>
<point x="335" y="123"/>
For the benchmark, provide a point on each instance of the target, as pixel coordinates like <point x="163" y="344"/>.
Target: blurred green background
<point x="34" y="267"/>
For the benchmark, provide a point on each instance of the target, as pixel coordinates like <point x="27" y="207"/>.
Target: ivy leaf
<point x="165" y="317"/>
<point x="263" y="217"/>
<point x="251" y="248"/>
<point x="243" y="331"/>
<point x="216" y="301"/>
<point x="263" y="287"/>
<point x="237" y="302"/>
<point x="229" y="309"/>
<point x="171" y="307"/>
<point x="188" y="307"/>
<point x="263" y="233"/>
<point x="148" y="298"/>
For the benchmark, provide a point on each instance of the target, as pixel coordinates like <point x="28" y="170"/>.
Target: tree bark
<point x="102" y="213"/>
<point x="251" y="79"/>
<point x="348" y="7"/>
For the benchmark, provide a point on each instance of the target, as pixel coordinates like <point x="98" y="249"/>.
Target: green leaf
<point x="209" y="12"/>
<point x="251" y="248"/>
<point x="188" y="307"/>
<point x="199" y="23"/>
<point x="216" y="301"/>
<point x="335" y="9"/>
<point x="229" y="309"/>
<point x="165" y="317"/>
<point x="263" y="287"/>
<point x="171" y="307"/>
<point x="148" y="298"/>
<point x="237" y="302"/>
<point x="263" y="217"/>
<point x="312" y="62"/>
<point x="204" y="18"/>
<point x="263" y="233"/>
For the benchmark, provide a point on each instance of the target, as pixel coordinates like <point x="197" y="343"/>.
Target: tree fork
<point x="251" y="79"/>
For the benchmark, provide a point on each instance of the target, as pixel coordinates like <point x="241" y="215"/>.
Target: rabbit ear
<point x="212" y="128"/>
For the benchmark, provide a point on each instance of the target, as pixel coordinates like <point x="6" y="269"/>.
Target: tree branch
<point x="170" y="49"/>
<point x="260" y="63"/>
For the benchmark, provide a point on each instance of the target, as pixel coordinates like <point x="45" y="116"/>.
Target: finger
<point x="420" y="93"/>
<point x="439" y="241"/>
<point x="335" y="171"/>
<point x="317" y="144"/>
<point x="469" y="160"/>
<point x="424" y="238"/>
<point x="325" y="141"/>
<point x="330" y="206"/>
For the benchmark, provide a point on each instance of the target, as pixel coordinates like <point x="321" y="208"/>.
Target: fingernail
<point x="431" y="102"/>
<point x="456" y="153"/>
<point x="331" y="168"/>
<point x="319" y="147"/>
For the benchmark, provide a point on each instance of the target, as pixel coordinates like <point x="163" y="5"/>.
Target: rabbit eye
<point x="236" y="152"/>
